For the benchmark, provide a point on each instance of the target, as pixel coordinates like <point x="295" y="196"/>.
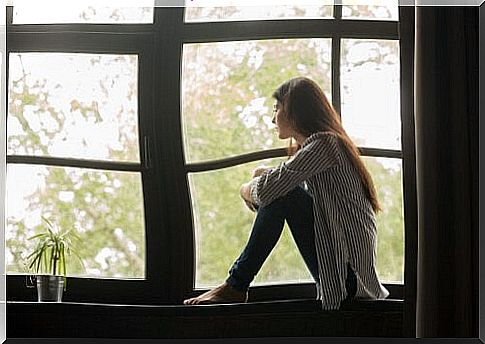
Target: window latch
<point x="146" y="150"/>
<point x="30" y="281"/>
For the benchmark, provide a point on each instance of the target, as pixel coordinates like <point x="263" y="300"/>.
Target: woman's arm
<point x="245" y="191"/>
<point x="260" y="170"/>
<point x="318" y="154"/>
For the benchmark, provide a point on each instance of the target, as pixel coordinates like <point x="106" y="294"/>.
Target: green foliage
<point x="390" y="222"/>
<point x="52" y="249"/>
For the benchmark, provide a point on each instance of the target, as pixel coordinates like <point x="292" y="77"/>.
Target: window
<point x="370" y="109"/>
<point x="140" y="138"/>
<point x="227" y="87"/>
<point x="84" y="109"/>
<point x="375" y="10"/>
<point x="101" y="11"/>
<point x="203" y="12"/>
<point x="226" y="112"/>
<point x="77" y="153"/>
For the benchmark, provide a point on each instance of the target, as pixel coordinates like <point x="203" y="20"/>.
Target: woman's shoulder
<point x="321" y="136"/>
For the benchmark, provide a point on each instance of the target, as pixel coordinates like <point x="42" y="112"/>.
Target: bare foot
<point x="221" y="294"/>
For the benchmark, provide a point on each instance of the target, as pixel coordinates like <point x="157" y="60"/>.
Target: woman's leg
<point x="300" y="219"/>
<point x="266" y="231"/>
<point x="297" y="208"/>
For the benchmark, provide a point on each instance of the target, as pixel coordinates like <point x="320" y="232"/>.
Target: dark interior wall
<point x="273" y="319"/>
<point x="446" y="118"/>
<point x="480" y="268"/>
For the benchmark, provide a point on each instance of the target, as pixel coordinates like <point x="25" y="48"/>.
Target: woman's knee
<point x="284" y="204"/>
<point x="277" y="205"/>
<point x="295" y="195"/>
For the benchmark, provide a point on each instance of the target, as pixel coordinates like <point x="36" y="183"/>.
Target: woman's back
<point x="345" y="227"/>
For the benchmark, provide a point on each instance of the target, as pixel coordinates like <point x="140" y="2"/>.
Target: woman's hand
<point x="250" y="206"/>
<point x="260" y="170"/>
<point x="245" y="190"/>
<point x="245" y="193"/>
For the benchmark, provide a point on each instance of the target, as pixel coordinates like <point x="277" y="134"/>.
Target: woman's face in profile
<point x="282" y="125"/>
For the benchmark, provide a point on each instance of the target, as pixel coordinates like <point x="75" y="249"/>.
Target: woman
<point x="325" y="194"/>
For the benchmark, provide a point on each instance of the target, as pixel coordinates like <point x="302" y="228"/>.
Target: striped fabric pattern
<point x="344" y="221"/>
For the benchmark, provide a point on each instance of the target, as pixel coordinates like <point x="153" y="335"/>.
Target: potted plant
<point x="48" y="261"/>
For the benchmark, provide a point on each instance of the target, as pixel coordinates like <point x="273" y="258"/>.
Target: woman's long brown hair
<point x="308" y="111"/>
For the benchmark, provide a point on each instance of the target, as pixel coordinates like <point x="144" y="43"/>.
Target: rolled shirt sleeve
<point x="318" y="153"/>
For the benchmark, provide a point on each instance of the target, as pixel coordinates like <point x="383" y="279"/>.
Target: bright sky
<point x="62" y="11"/>
<point x="35" y="11"/>
<point x="76" y="79"/>
<point x="201" y="3"/>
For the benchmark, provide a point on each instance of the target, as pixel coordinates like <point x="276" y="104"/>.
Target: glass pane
<point x="370" y="92"/>
<point x="202" y="11"/>
<point x="222" y="227"/>
<point x="227" y="87"/>
<point x="374" y="10"/>
<point x="86" y="107"/>
<point x="92" y="12"/>
<point x="387" y="176"/>
<point x="105" y="209"/>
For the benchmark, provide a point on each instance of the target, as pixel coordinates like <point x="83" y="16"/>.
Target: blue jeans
<point x="297" y="209"/>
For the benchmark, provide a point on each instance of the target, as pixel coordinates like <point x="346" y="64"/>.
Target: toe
<point x="187" y="302"/>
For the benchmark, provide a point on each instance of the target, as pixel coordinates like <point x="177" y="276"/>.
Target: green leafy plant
<point x="52" y="248"/>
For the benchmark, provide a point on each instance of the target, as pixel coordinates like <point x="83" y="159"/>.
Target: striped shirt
<point x="344" y="221"/>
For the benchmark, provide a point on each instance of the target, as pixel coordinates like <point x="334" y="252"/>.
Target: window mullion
<point x="76" y="42"/>
<point x="79" y="163"/>
<point x="178" y="243"/>
<point x="289" y="28"/>
<point x="233" y="161"/>
<point x="155" y="220"/>
<point x="336" y="41"/>
<point x="337" y="11"/>
<point x="378" y="152"/>
<point x="9" y="15"/>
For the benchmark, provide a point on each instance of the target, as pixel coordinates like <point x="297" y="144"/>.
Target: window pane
<point x="222" y="228"/>
<point x="375" y="10"/>
<point x="202" y="11"/>
<point x="227" y="87"/>
<point x="370" y="92"/>
<point x="85" y="107"/>
<point x="387" y="176"/>
<point x="100" y="11"/>
<point x="104" y="208"/>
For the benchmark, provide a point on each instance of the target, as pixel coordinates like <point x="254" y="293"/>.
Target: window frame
<point x="102" y="39"/>
<point x="333" y="28"/>
<point x="170" y="252"/>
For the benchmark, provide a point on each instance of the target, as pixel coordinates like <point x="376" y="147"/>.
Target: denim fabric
<point x="297" y="209"/>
